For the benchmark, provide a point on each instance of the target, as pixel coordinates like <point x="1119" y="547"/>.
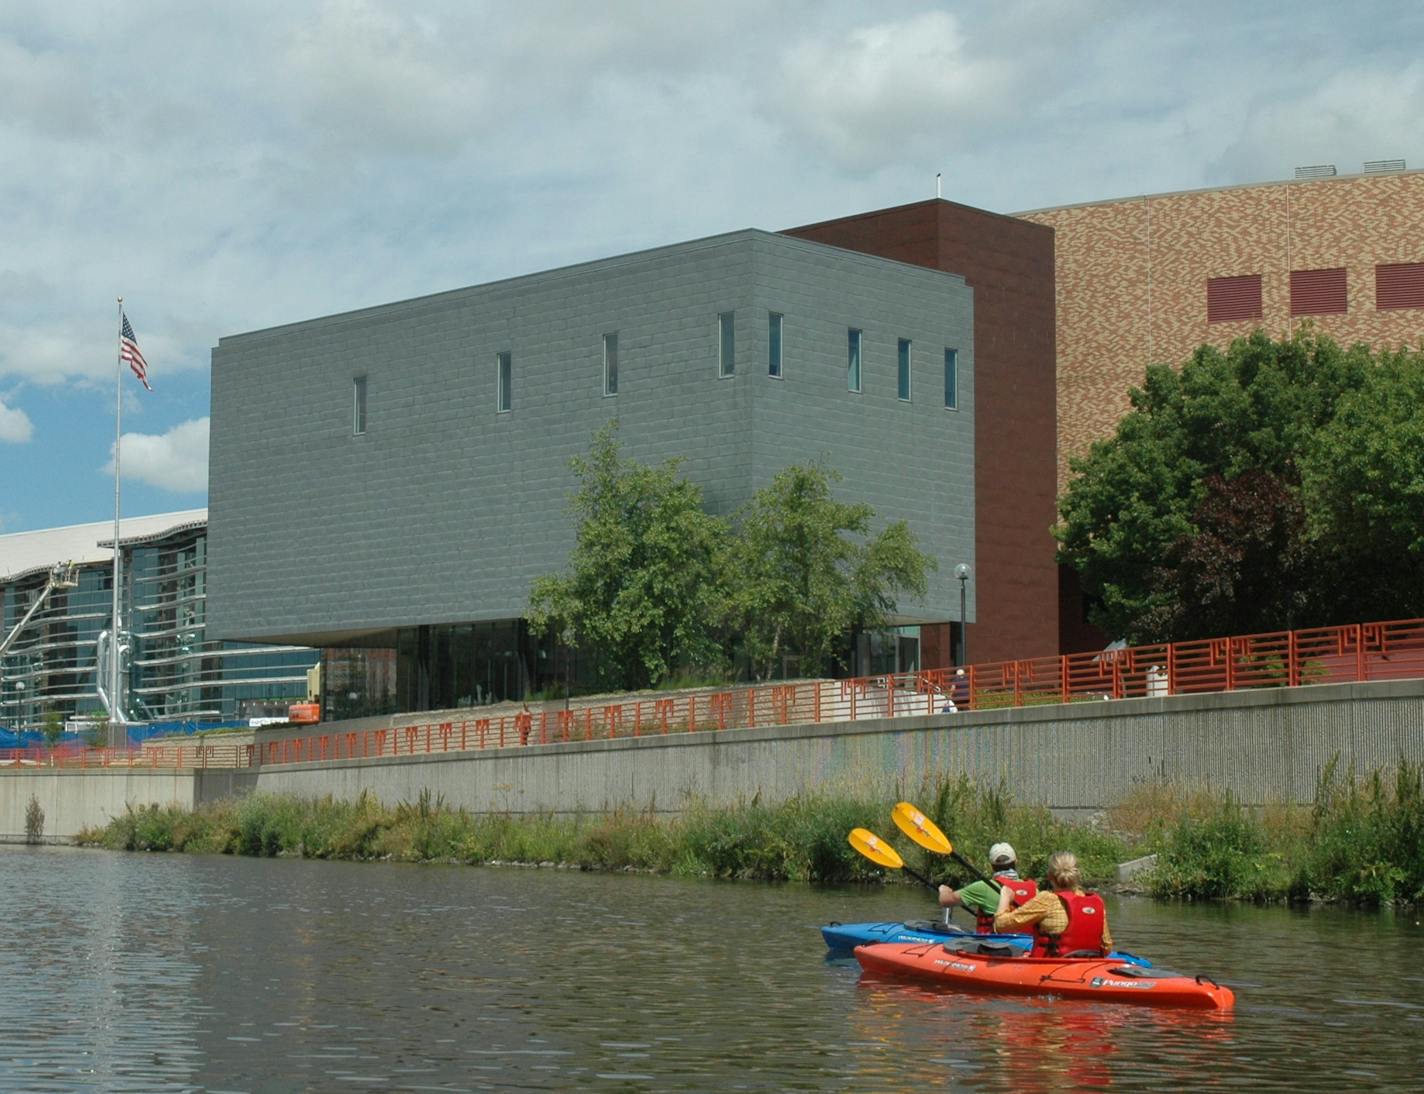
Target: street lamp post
<point x="962" y="572"/>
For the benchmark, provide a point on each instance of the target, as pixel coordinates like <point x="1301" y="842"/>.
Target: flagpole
<point x="115" y="715"/>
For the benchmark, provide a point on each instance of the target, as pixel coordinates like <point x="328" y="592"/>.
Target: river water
<point x="171" y="972"/>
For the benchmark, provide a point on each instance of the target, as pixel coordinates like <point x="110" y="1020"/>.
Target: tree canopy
<point x="1241" y="492"/>
<point x="642" y="586"/>
<point x="656" y="584"/>
<point x="806" y="570"/>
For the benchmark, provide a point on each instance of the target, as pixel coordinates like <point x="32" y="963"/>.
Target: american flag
<point x="129" y="351"/>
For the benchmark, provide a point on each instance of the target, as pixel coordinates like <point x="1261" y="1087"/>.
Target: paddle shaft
<point x="974" y="870"/>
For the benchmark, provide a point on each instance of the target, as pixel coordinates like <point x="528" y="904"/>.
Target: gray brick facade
<point x="445" y="510"/>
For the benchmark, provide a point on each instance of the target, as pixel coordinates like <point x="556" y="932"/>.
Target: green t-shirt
<point x="979" y="898"/>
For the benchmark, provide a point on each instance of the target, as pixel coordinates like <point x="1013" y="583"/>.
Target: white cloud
<point x="380" y="80"/>
<point x="891" y="88"/>
<point x="176" y="461"/>
<point x="40" y="93"/>
<point x="1355" y="116"/>
<point x="15" y="425"/>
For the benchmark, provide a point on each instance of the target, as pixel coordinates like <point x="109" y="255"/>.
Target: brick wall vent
<point x="1229" y="298"/>
<point x="1380" y="167"/>
<point x="1399" y="285"/>
<point x="1317" y="292"/>
<point x="1316" y="171"/>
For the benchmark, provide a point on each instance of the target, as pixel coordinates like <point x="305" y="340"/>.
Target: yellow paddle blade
<point x="875" y="849"/>
<point x="921" y="829"/>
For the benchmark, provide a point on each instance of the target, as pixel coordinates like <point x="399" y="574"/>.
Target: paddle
<point x="929" y="836"/>
<point x="878" y="851"/>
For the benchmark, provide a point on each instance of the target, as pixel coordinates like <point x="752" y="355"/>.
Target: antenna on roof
<point x="937" y="189"/>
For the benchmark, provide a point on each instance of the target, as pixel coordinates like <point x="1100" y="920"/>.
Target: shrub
<point x="1223" y="854"/>
<point x="34" y="820"/>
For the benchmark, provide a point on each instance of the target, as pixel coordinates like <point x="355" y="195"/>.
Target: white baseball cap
<point x="1001" y="854"/>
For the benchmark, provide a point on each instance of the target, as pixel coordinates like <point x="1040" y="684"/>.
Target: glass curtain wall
<point x="50" y="668"/>
<point x="463" y="664"/>
<point x="176" y="672"/>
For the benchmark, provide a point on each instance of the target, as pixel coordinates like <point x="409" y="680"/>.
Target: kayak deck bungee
<point x="958" y="964"/>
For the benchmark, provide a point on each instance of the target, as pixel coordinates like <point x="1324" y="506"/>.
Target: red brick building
<point x="1072" y="303"/>
<point x="1008" y="262"/>
<point x="1148" y="279"/>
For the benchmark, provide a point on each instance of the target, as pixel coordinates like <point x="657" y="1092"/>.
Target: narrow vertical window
<point x="358" y="409"/>
<point x="773" y="344"/>
<point x="726" y="344"/>
<point x="853" y="359"/>
<point x="951" y="379"/>
<point x="904" y="370"/>
<point x="610" y="364"/>
<point x="505" y="362"/>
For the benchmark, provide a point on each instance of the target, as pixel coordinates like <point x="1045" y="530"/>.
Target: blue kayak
<point x="846" y="936"/>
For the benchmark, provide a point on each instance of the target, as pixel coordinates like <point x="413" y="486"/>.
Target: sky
<point x="226" y="167"/>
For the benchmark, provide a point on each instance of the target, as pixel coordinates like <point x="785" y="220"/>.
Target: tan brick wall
<point x="1131" y="278"/>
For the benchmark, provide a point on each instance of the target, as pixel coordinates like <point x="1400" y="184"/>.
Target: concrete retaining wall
<point x="1266" y="746"/>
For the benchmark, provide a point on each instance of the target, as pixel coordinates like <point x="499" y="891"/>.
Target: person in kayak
<point x="1066" y="920"/>
<point x="981" y="899"/>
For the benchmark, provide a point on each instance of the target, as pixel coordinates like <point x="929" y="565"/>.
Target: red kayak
<point x="1101" y="978"/>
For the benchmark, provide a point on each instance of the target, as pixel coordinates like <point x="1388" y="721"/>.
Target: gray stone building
<point x="398" y="476"/>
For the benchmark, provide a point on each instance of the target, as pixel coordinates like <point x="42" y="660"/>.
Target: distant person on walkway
<point x="981" y="899"/>
<point x="1065" y="920"/>
<point x="959" y="692"/>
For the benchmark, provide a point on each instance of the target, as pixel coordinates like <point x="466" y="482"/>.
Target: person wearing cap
<point x="1065" y="919"/>
<point x="982" y="898"/>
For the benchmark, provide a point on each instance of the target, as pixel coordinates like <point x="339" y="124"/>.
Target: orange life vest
<point x="1023" y="889"/>
<point x="1084" y="933"/>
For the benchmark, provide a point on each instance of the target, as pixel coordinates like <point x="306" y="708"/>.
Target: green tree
<point x="52" y="728"/>
<point x="642" y="585"/>
<point x="1191" y="521"/>
<point x="1363" y="481"/>
<point x="805" y="571"/>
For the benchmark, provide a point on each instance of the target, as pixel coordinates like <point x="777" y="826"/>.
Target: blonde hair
<point x="1063" y="870"/>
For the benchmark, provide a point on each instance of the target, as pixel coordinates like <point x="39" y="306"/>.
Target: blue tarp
<point x="137" y="734"/>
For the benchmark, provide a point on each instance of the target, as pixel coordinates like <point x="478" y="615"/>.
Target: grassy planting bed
<point x="1362" y="843"/>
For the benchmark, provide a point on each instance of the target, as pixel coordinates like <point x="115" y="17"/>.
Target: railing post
<point x="1359" y="630"/>
<point x="1230" y="667"/>
<point x="1292" y="660"/>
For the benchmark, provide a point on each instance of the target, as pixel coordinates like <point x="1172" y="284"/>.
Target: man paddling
<point x="981" y="898"/>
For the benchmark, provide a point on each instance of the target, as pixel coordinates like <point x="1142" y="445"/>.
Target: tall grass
<point x="802" y="839"/>
<point x="1362" y="843"/>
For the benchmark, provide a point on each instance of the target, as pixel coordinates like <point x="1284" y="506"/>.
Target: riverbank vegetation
<point x="1362" y="843"/>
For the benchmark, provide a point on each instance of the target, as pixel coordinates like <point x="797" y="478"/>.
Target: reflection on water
<point x="151" y="973"/>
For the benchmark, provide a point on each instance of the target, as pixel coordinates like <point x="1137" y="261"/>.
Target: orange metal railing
<point x="1323" y="655"/>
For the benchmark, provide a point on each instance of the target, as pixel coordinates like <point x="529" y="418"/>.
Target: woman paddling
<point x="1066" y="920"/>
